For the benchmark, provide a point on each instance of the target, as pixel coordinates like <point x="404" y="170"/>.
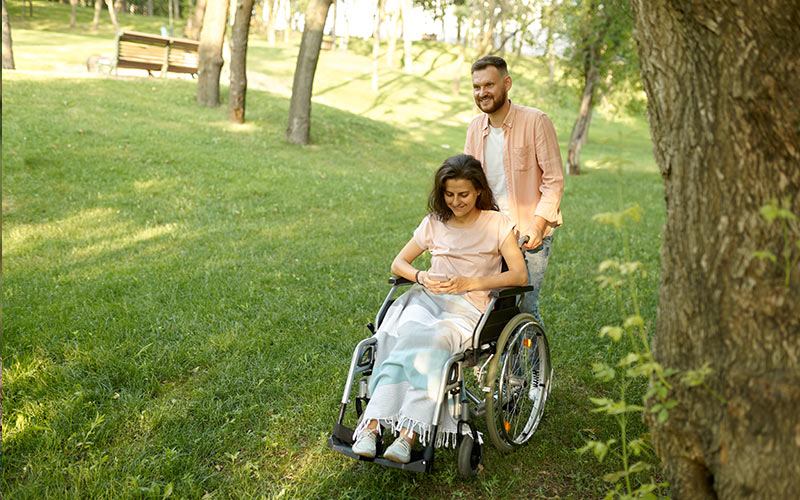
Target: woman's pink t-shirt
<point x="466" y="251"/>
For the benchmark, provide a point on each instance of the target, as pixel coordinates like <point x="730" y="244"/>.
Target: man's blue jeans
<point x="536" y="261"/>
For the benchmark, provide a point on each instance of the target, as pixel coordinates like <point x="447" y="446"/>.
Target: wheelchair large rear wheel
<point x="518" y="379"/>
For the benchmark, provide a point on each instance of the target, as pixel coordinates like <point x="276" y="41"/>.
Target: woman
<point x="467" y="238"/>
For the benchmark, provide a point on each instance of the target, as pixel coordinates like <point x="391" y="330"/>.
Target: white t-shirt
<point x="495" y="174"/>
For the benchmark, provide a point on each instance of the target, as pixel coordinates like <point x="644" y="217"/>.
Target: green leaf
<point x="603" y="372"/>
<point x="631" y="267"/>
<point x="167" y="491"/>
<point x="693" y="378"/>
<point x="629" y="359"/>
<point x="662" y="415"/>
<point x="764" y="254"/>
<point x="770" y="212"/>
<point x="608" y="264"/>
<point x="614" y="332"/>
<point x="634" y="321"/>
<point x="635" y="212"/>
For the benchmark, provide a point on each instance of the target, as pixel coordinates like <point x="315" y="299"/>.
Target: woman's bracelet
<point x="416" y="277"/>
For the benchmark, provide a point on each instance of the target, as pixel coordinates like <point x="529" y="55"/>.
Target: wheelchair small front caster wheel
<point x="469" y="456"/>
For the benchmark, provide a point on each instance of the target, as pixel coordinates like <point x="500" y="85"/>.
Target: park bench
<point x="155" y="53"/>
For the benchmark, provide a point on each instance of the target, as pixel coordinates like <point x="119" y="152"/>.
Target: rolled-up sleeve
<point x="548" y="157"/>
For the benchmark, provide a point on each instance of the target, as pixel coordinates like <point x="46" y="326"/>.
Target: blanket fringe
<point x="444" y="439"/>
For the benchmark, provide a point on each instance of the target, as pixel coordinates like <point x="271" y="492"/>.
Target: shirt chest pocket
<point x="523" y="158"/>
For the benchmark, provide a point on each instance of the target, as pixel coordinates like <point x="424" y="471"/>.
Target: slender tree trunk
<point x="376" y="45"/>
<point x="112" y="13"/>
<point x="298" y="129"/>
<point x="391" y="43"/>
<point x="212" y="38"/>
<point x="408" y="58"/>
<point x="195" y="24"/>
<point x="239" y="35"/>
<point x="344" y="41"/>
<point x="333" y="27"/>
<point x="149" y="8"/>
<point x="176" y="9"/>
<point x="273" y="15"/>
<point x="8" y="53"/>
<point x="98" y="6"/>
<point x="288" y="13"/>
<point x="580" y="129"/>
<point x="490" y="20"/>
<point x="724" y="108"/>
<point x="73" y="15"/>
<point x="462" y="51"/>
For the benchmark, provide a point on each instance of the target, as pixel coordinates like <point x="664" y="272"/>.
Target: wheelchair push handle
<point x="522" y="240"/>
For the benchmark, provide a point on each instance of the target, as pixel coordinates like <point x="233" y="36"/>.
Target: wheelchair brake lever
<point x="523" y="239"/>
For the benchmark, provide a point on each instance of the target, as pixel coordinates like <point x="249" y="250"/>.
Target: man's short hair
<point x="486" y="61"/>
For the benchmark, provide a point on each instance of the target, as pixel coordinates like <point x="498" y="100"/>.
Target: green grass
<point x="181" y="296"/>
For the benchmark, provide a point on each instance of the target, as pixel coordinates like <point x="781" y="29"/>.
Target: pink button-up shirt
<point x="532" y="164"/>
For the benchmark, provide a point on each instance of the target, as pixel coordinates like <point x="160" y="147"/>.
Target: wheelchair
<point x="508" y="384"/>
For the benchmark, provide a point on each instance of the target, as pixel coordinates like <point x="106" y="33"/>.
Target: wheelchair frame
<point x="501" y="320"/>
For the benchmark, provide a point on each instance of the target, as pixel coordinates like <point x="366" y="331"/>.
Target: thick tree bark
<point x="195" y="24"/>
<point x="299" y="125"/>
<point x="210" y="51"/>
<point x="239" y="35"/>
<point x="8" y="53"/>
<point x="724" y="110"/>
<point x="580" y="130"/>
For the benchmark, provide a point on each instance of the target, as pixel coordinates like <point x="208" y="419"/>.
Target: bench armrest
<point x="509" y="291"/>
<point x="399" y="281"/>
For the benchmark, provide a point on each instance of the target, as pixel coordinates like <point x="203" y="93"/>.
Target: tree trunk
<point x="407" y="56"/>
<point x="723" y="104"/>
<point x="462" y="50"/>
<point x="176" y="8"/>
<point x="98" y="6"/>
<point x="391" y="43"/>
<point x="297" y="130"/>
<point x="376" y="45"/>
<point x="288" y="14"/>
<point x="581" y="128"/>
<point x="210" y="51"/>
<point x="8" y="54"/>
<point x="195" y="24"/>
<point x="112" y="13"/>
<point x="149" y="8"/>
<point x="273" y="15"/>
<point x="239" y="35"/>
<point x="73" y="14"/>
<point x="333" y="26"/>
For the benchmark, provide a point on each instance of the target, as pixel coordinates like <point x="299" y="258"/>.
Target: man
<point x="518" y="149"/>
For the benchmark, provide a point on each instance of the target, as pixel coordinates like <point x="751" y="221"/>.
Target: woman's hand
<point x="454" y="286"/>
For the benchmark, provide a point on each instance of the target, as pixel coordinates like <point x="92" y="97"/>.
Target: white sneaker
<point x="365" y="443"/>
<point x="399" y="451"/>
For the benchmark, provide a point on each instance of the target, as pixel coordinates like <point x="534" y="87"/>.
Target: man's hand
<point x="535" y="234"/>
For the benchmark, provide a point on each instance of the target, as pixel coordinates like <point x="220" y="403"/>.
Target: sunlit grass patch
<point x="181" y="295"/>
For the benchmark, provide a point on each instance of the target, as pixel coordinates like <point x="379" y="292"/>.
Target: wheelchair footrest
<point x="416" y="464"/>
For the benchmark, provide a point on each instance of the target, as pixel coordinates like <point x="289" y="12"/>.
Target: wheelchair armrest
<point x="399" y="281"/>
<point x="509" y="291"/>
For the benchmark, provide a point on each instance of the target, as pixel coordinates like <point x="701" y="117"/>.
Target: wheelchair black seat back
<point x="509" y="385"/>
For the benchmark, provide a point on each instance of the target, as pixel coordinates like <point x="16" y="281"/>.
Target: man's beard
<point x="496" y="104"/>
